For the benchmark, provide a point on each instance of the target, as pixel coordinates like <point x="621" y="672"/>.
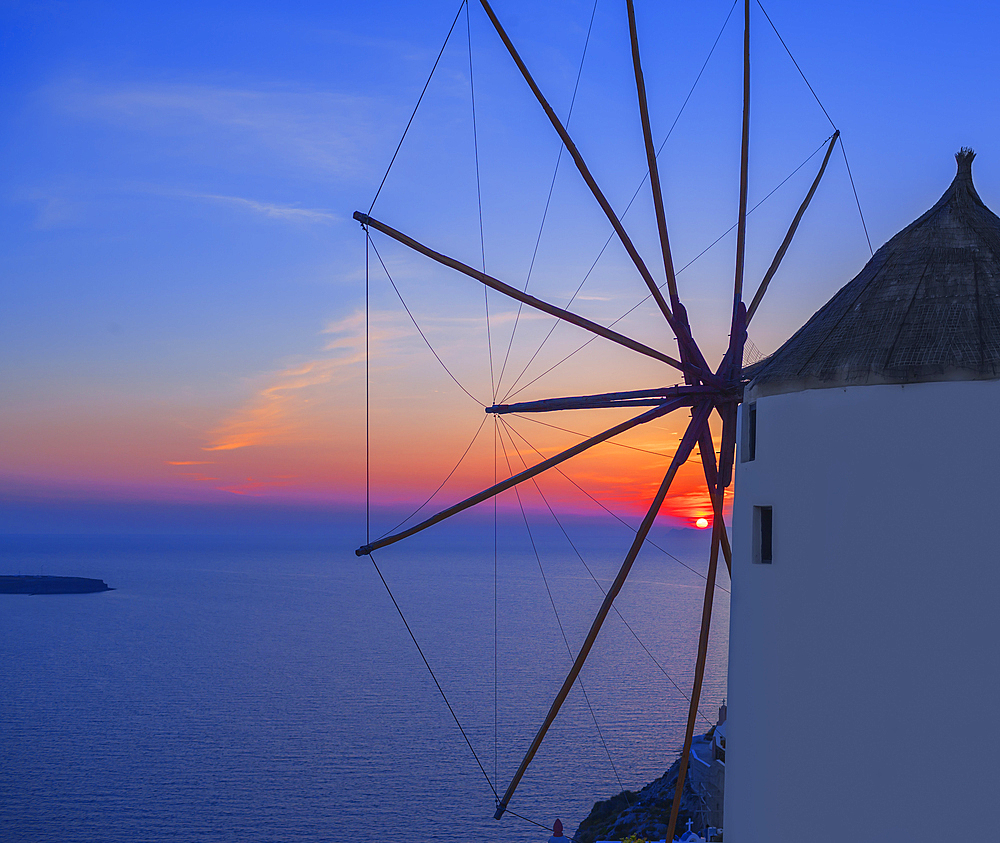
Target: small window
<point x="763" y="535"/>
<point x="749" y="449"/>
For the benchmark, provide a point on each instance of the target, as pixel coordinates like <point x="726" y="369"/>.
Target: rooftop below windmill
<point x="926" y="307"/>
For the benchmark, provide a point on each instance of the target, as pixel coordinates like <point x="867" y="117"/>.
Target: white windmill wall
<point x="865" y="659"/>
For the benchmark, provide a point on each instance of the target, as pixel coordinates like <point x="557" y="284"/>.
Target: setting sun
<point x="701" y="523"/>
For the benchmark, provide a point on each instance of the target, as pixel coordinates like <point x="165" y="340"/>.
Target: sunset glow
<point x="190" y="320"/>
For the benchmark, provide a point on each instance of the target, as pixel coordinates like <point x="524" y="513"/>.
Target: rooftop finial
<point x="964" y="158"/>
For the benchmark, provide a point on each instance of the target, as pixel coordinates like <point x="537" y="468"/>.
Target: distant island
<point x="51" y="585"/>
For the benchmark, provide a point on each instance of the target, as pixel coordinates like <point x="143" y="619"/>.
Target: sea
<point x="268" y="689"/>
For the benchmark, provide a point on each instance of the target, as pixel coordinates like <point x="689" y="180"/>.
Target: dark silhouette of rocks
<point x="646" y="813"/>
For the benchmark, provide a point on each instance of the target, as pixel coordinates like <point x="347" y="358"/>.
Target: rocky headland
<point x="646" y="813"/>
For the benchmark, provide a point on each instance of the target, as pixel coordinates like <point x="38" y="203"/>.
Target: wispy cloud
<point x="189" y="462"/>
<point x="323" y="130"/>
<point x="289" y="213"/>
<point x="350" y="331"/>
<point x="54" y="211"/>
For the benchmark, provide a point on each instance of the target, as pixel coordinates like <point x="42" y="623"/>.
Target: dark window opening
<point x="763" y="535"/>
<point x="749" y="449"/>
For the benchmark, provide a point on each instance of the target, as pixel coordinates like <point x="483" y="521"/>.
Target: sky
<point x="184" y="286"/>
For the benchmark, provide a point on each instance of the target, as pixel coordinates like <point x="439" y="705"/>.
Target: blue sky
<point x="183" y="281"/>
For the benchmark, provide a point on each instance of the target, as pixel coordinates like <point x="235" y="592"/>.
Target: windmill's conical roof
<point x="926" y="307"/>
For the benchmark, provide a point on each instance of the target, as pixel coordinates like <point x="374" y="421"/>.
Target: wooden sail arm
<point x="716" y="484"/>
<point x="727" y="447"/>
<point x="531" y="301"/>
<point x="688" y="347"/>
<point x="654" y="171"/>
<point x="707" y="448"/>
<point x="699" y="671"/>
<point x="727" y="550"/>
<point x="732" y="363"/>
<point x="741" y="231"/>
<point x="633" y="398"/>
<point x="698" y="421"/>
<point x="731" y="368"/>
<point x="773" y="268"/>
<point x="534" y="471"/>
<point x="588" y="178"/>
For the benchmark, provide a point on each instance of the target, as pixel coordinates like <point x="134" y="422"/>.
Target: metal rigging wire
<point x="479" y="199"/>
<point x="555" y="612"/>
<point x="592" y="575"/>
<point x="448" y="477"/>
<point x="588" y="435"/>
<point x="419" y="100"/>
<point x="430" y="670"/>
<point x="856" y="199"/>
<point x="548" y="199"/>
<point x="423" y="336"/>
<point x="493" y="392"/>
<point x="799" y="69"/>
<point x="663" y="143"/>
<point x="828" y="117"/>
<point x="368" y="403"/>
<point x="511" y="393"/>
<point x="600" y="503"/>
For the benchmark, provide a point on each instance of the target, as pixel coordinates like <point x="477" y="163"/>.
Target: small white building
<point x="865" y="624"/>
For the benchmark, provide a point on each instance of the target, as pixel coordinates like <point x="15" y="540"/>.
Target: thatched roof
<point x="926" y="307"/>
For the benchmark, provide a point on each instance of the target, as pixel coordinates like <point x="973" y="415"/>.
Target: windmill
<point x="864" y="620"/>
<point x="705" y="390"/>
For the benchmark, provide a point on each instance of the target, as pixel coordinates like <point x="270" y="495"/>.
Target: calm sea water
<point x="231" y="692"/>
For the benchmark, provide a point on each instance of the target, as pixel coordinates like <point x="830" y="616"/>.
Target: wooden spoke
<point x="654" y="172"/>
<point x="727" y="447"/>
<point x="706" y="445"/>
<point x="727" y="550"/>
<point x="534" y="471"/>
<point x="587" y="177"/>
<point x="731" y="367"/>
<point x="791" y="232"/>
<point x="699" y="671"/>
<point x="582" y="403"/>
<point x="688" y="347"/>
<point x="716" y="483"/>
<point x="698" y="421"/>
<point x="741" y="232"/>
<point x="707" y="448"/>
<point x="531" y="301"/>
<point x="634" y="398"/>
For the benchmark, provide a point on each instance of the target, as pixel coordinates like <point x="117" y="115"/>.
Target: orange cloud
<point x="274" y="413"/>
<point x="286" y="410"/>
<point x="189" y="462"/>
<point x="253" y="487"/>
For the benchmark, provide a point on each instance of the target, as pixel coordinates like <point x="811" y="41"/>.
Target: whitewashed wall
<point x="864" y="662"/>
